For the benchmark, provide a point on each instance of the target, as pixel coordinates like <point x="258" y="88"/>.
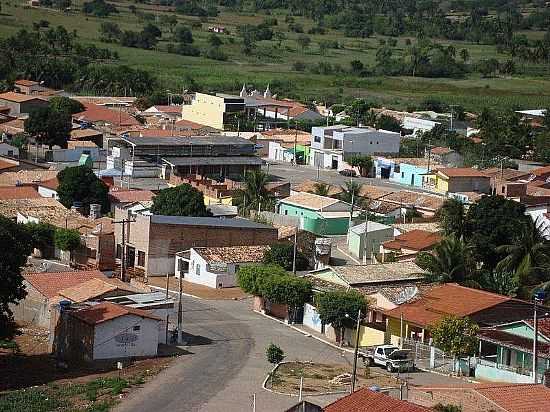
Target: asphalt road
<point x="224" y="364"/>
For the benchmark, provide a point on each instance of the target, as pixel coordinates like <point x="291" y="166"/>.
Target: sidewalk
<point x="199" y="291"/>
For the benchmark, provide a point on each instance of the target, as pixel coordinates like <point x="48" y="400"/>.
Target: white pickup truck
<point x="388" y="356"/>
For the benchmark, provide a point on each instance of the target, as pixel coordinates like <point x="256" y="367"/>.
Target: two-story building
<point x="331" y="146"/>
<point x="212" y="110"/>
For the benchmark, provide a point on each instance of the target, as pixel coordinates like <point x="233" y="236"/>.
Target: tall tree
<point x="66" y="105"/>
<point x="340" y="309"/>
<point x="49" y="126"/>
<point x="15" y="246"/>
<point x="451" y="217"/>
<point x="456" y="336"/>
<point x="282" y="254"/>
<point x="183" y="200"/>
<point x="80" y="184"/>
<point x="255" y="195"/>
<point x="350" y="190"/>
<point x="363" y="162"/>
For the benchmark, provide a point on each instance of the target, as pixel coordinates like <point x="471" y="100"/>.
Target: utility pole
<point x="365" y="248"/>
<point x="356" y="352"/>
<point x="167" y="314"/>
<point x="295" y="143"/>
<point x="123" y="222"/>
<point x="180" y="312"/>
<point x="537" y="298"/>
<point x="351" y="210"/>
<point x="294" y="251"/>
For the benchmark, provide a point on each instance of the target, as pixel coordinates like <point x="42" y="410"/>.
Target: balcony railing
<point x="514" y="369"/>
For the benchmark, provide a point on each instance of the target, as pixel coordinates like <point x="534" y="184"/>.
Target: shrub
<point x="274" y="354"/>
<point x="67" y="239"/>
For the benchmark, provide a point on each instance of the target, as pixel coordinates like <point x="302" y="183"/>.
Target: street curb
<point x="175" y="292"/>
<point x="305" y="333"/>
<point x="351" y="350"/>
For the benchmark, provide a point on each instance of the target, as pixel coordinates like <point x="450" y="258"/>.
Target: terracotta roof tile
<point x="233" y="254"/>
<point x="106" y="311"/>
<point x="129" y="196"/>
<point x="518" y="398"/>
<point x="446" y="299"/>
<point x="18" y="192"/>
<point x="52" y="184"/>
<point x="506" y="173"/>
<point x="366" y="400"/>
<point x="168" y="109"/>
<point x="50" y="284"/>
<point x="26" y="177"/>
<point x="379" y="273"/>
<point x="516" y="341"/>
<point x="441" y="150"/>
<point x="94" y="113"/>
<point x="309" y="186"/>
<point x="85" y="134"/>
<point x="93" y="288"/>
<point x="408" y="198"/>
<point x="18" y="97"/>
<point x="189" y="124"/>
<point x="25" y="82"/>
<point x="414" y="240"/>
<point x="6" y="165"/>
<point x="374" y="192"/>
<point x="541" y="171"/>
<point x="461" y="172"/>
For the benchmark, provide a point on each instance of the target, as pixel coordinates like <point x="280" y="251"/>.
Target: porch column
<point x="406" y="331"/>
<point x="423" y="335"/>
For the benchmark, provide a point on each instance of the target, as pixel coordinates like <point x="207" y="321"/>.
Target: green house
<point x="506" y="352"/>
<point x="320" y="215"/>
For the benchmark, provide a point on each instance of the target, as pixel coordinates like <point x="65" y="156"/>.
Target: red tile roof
<point x="50" y="183"/>
<point x="106" y="311"/>
<point x="25" y="82"/>
<point x="414" y="240"/>
<point x="4" y="165"/>
<point x="189" y="124"/>
<point x="168" y="109"/>
<point x="18" y="97"/>
<point x="366" y="400"/>
<point x="50" y="283"/>
<point x="94" y="113"/>
<point x="515" y="341"/>
<point x="462" y="172"/>
<point x="543" y="325"/>
<point x="129" y="196"/>
<point x="541" y="171"/>
<point x="518" y="398"/>
<point x="446" y="299"/>
<point x="441" y="150"/>
<point x="18" y="192"/>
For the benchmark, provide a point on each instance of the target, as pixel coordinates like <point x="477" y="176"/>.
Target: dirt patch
<point x="201" y="291"/>
<point x="317" y="378"/>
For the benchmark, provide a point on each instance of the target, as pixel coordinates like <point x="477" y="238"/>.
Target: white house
<point x="331" y="145"/>
<point x="280" y="153"/>
<point x="216" y="267"/>
<point x="415" y="124"/>
<point x="48" y="188"/>
<point x="106" y="331"/>
<point x="8" y="150"/>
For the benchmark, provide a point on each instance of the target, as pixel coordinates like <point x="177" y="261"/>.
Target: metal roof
<point x="182" y="141"/>
<point x="213" y="161"/>
<point x="208" y="221"/>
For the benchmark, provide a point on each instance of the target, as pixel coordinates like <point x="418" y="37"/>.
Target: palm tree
<point x="350" y="192"/>
<point x="321" y="189"/>
<point x="254" y="195"/>
<point x="449" y="262"/>
<point x="503" y="283"/>
<point x="528" y="257"/>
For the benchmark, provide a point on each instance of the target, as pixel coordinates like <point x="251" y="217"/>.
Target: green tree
<point x="274" y="354"/>
<point x="363" y="162"/>
<point x="464" y="55"/>
<point x="49" y="127"/>
<point x="339" y="308"/>
<point x="109" y="32"/>
<point x="255" y="194"/>
<point x="449" y="261"/>
<point x="183" y="34"/>
<point x="528" y="256"/>
<point x="350" y="190"/>
<point x="80" y="184"/>
<point x="15" y="247"/>
<point x="183" y="200"/>
<point x="282" y="254"/>
<point x="321" y="189"/>
<point x="286" y="290"/>
<point x="501" y="282"/>
<point x="303" y="41"/>
<point x="42" y="235"/>
<point x="67" y="239"/>
<point x="456" y="336"/>
<point x="447" y="408"/>
<point x="451" y="217"/>
<point x="66" y="105"/>
<point x="389" y="123"/>
<point x="251" y="277"/>
<point x="214" y="40"/>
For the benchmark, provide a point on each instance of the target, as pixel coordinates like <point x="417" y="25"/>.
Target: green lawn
<point x="273" y="65"/>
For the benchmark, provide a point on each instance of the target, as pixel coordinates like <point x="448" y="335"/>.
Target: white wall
<point x="8" y="150"/>
<point x="311" y="318"/>
<point x="199" y="273"/>
<point x="46" y="192"/>
<point x="110" y="342"/>
<point x="369" y="141"/>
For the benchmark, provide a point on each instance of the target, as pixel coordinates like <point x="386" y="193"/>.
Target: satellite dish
<point x="406" y="294"/>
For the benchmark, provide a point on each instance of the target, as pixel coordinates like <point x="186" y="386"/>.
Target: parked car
<point x="348" y="172"/>
<point x="388" y="356"/>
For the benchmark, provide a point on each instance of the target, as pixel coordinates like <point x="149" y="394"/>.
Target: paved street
<point x="226" y="363"/>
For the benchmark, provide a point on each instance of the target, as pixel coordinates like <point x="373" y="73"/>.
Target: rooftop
<point x="50" y="183"/>
<point x="25" y="82"/>
<point x="189" y="141"/>
<point x="441" y="150"/>
<point x="515" y="341"/>
<point x="540" y="171"/>
<point x="414" y="240"/>
<point x="93" y="288"/>
<point x="309" y="186"/>
<point x="213" y="160"/>
<point x="446" y="299"/>
<point x="129" y="196"/>
<point x="378" y="273"/>
<point x="73" y="144"/>
<point x="107" y="311"/>
<point x="310" y="201"/>
<point x="232" y="254"/>
<point x="408" y="198"/>
<point x="506" y="173"/>
<point x="18" y="97"/>
<point x="371" y="227"/>
<point x="427" y="226"/>
<point x="461" y="172"/>
<point x="374" y="192"/>
<point x="366" y="400"/>
<point x="94" y="113"/>
<point x="50" y="284"/>
<point x="8" y="164"/>
<point x="207" y="221"/>
<point x="78" y="134"/>
<point x="26" y="177"/>
<point x="18" y="192"/>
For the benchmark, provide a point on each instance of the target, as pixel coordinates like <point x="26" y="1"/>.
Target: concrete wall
<point x="33" y="309"/>
<point x="311" y="318"/>
<point x="469" y="184"/>
<point x="119" y="339"/>
<point x="410" y="175"/>
<point x="73" y="155"/>
<point x="23" y="107"/>
<point x="369" y="142"/>
<point x="205" y="109"/>
<point x="46" y="192"/>
<point x="199" y="273"/>
<point x="493" y="374"/>
<point x="356" y="242"/>
<point x="369" y="336"/>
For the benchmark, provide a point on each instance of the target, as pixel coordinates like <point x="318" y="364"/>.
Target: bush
<point x="274" y="354"/>
<point x="251" y="277"/>
<point x="187" y="50"/>
<point x="282" y="254"/>
<point x="215" y="53"/>
<point x="298" y="66"/>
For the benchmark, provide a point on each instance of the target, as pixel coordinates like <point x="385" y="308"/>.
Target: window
<point x="141" y="258"/>
<point x="198" y="270"/>
<point x="317" y="139"/>
<point x="286" y="212"/>
<point x="402" y="174"/>
<point x="136" y="328"/>
<point x="10" y="152"/>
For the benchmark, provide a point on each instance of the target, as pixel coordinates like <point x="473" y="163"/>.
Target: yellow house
<point x="212" y="110"/>
<point x="459" y="179"/>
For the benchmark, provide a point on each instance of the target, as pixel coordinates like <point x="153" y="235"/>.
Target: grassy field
<point x="273" y="64"/>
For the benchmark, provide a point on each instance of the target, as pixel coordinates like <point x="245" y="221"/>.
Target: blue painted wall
<point x="410" y="174"/>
